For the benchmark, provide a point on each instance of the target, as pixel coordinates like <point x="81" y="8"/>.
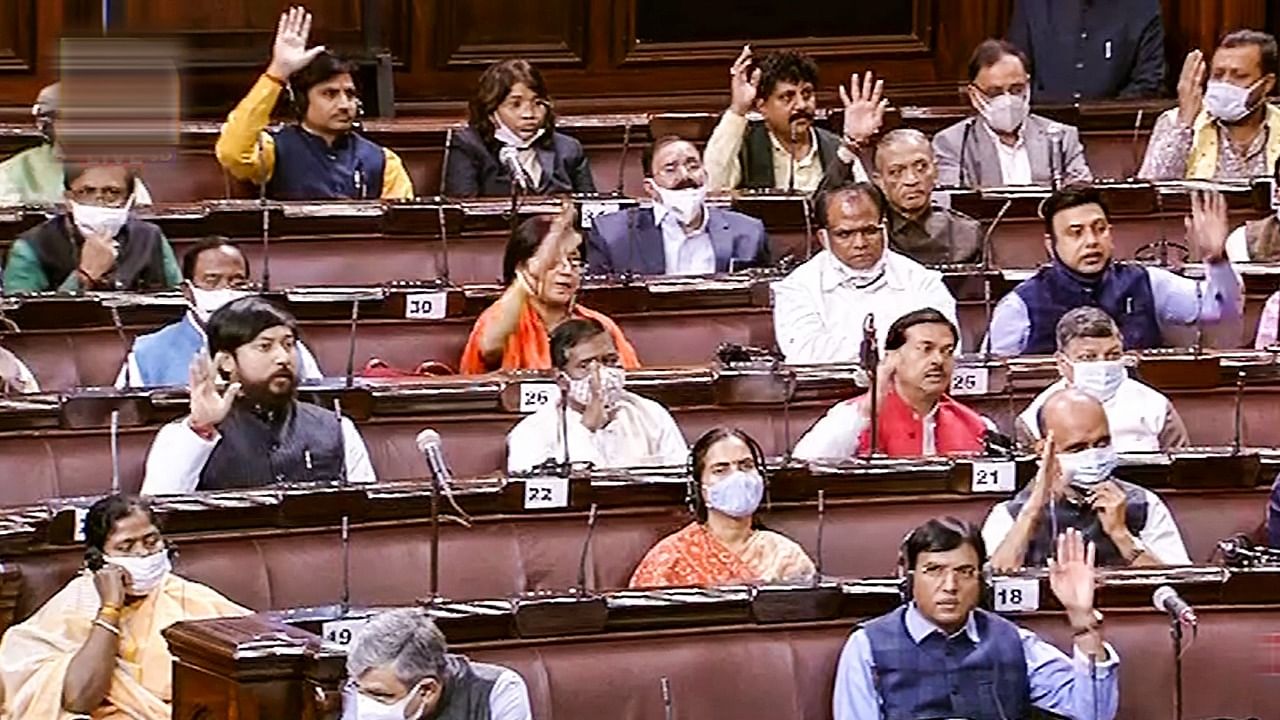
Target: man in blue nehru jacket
<point x="941" y="656"/>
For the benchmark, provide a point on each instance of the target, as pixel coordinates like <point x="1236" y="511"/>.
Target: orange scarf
<point x="529" y="347"/>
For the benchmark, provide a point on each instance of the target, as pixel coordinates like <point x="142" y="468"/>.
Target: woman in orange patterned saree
<point x="724" y="545"/>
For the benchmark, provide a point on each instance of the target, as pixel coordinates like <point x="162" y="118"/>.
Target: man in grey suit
<point x="1004" y="144"/>
<point x="679" y="234"/>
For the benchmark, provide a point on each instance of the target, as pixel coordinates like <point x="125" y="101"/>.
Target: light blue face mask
<point x="737" y="494"/>
<point x="1089" y="467"/>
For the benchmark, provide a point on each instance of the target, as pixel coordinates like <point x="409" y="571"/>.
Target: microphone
<point x="444" y="165"/>
<point x="1237" y="414"/>
<point x="870" y="358"/>
<point x="115" y="451"/>
<point x="665" y="684"/>
<point x="266" y="225"/>
<point x="987" y="299"/>
<point x="429" y="443"/>
<point x="1239" y="551"/>
<point x="586" y="545"/>
<point x="444" y="245"/>
<point x="791" y="155"/>
<point x="1133" y="144"/>
<point x="1056" y="171"/>
<point x="1167" y="599"/>
<point x="964" y="142"/>
<point x="346" y="521"/>
<point x="510" y="157"/>
<point x="622" y="160"/>
<point x="351" y="343"/>
<point x="822" y="517"/>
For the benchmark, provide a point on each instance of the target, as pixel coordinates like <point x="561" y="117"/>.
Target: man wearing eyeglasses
<point x="1145" y="302"/>
<point x="819" y="309"/>
<point x="939" y="655"/>
<point x="214" y="273"/>
<point x="96" y="244"/>
<point x="919" y="228"/>
<point x="1005" y="144"/>
<point x="679" y="234"/>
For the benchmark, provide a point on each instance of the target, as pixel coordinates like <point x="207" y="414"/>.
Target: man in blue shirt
<point x="940" y="655"/>
<point x="1147" y="303"/>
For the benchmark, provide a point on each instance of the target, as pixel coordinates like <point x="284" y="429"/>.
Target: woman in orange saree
<point x="725" y="545"/>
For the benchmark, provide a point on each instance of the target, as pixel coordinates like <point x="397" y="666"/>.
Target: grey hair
<point x="902" y="135"/>
<point x="406" y="637"/>
<point x="1085" y="322"/>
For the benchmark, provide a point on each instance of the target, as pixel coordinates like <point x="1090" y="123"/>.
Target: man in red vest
<point x="916" y="416"/>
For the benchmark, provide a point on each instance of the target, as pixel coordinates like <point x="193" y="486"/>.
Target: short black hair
<point x="646" y="155"/>
<point x="239" y="322"/>
<point x="941" y="535"/>
<point x="789" y="66"/>
<point x="568" y="334"/>
<point x="865" y="189"/>
<point x="1265" y="41"/>
<point x="322" y="67"/>
<point x="106" y="512"/>
<point x="698" y="463"/>
<point x="1085" y="321"/>
<point x="897" y="335"/>
<point x="212" y="242"/>
<point x="1068" y="197"/>
<point x="73" y="170"/>
<point x="991" y="51"/>
<point x="524" y="242"/>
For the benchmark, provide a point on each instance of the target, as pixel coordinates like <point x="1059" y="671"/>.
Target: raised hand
<point x="561" y="240"/>
<point x="98" y="254"/>
<point x="1109" y="502"/>
<point x="1191" y="88"/>
<point x="208" y="406"/>
<point x="290" y="53"/>
<point x="1071" y="573"/>
<point x="744" y="83"/>
<point x="597" y="414"/>
<point x="1208" y="225"/>
<point x="1047" y="474"/>
<point x="864" y="107"/>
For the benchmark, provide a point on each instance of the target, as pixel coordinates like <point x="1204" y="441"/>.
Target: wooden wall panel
<point x="29" y="31"/>
<point x="473" y="33"/>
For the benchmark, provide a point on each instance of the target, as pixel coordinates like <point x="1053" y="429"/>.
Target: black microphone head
<point x="1162" y="597"/>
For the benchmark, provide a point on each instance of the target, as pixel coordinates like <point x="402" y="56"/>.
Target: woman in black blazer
<point x="511" y="120"/>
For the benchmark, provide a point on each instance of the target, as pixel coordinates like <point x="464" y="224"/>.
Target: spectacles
<point x="939" y="572"/>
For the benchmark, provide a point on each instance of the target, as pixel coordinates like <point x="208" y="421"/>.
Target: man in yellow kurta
<point x="95" y="647"/>
<point x="320" y="157"/>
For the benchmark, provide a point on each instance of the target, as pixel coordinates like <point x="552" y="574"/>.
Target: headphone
<point x="906" y="576"/>
<point x="693" y="487"/>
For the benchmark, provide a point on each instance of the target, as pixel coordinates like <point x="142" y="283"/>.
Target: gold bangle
<point x="107" y="626"/>
<point x="110" y="613"/>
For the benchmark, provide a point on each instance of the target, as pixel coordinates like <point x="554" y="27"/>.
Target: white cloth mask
<point x="358" y="706"/>
<point x="612" y="382"/>
<point x="684" y="204"/>
<point x="93" y="219"/>
<point x="737" y="494"/>
<point x="511" y="138"/>
<point x="1005" y="113"/>
<point x="146" y="572"/>
<point x="1087" y="468"/>
<point x="1227" y="102"/>
<point x="1100" y="379"/>
<point x="207" y="301"/>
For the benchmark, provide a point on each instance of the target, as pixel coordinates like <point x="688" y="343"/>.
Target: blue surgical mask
<point x="1087" y="468"/>
<point x="737" y="494"/>
<point x="1100" y="379"/>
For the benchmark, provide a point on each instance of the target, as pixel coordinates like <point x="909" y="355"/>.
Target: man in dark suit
<point x="679" y="234"/>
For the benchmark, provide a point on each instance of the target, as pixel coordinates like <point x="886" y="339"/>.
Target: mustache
<point x="801" y="115"/>
<point x="687" y="184"/>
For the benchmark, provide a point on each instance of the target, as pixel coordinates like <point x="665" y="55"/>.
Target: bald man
<point x="1130" y="525"/>
<point x="927" y="233"/>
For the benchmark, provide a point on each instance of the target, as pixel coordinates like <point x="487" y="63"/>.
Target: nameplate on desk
<point x="1014" y="594"/>
<point x="426" y="306"/>
<point x="533" y="395"/>
<point x="341" y="632"/>
<point x="546" y="493"/>
<point x="591" y="209"/>
<point x="969" y="381"/>
<point x="994" y="477"/>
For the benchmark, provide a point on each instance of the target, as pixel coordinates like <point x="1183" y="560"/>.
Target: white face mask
<point x="1087" y="468"/>
<point x="612" y="382"/>
<point x="507" y="136"/>
<point x="737" y="494"/>
<point x="685" y="203"/>
<point x="146" y="572"/>
<point x="358" y="706"/>
<point x="92" y="219"/>
<point x="1099" y="378"/>
<point x="1005" y="113"/>
<point x="1227" y="102"/>
<point x="207" y="301"/>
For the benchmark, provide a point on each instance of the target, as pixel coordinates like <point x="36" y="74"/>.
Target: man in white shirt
<point x="819" y="309"/>
<point x="214" y="272"/>
<point x="15" y="376"/>
<point x="607" y="426"/>
<point x="1074" y="488"/>
<point x="1090" y="352"/>
<point x="1005" y="144"/>
<point x="679" y="234"/>
<point x="254" y="432"/>
<point x="787" y="151"/>
<point x="916" y="417"/>
<point x="399" y="666"/>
